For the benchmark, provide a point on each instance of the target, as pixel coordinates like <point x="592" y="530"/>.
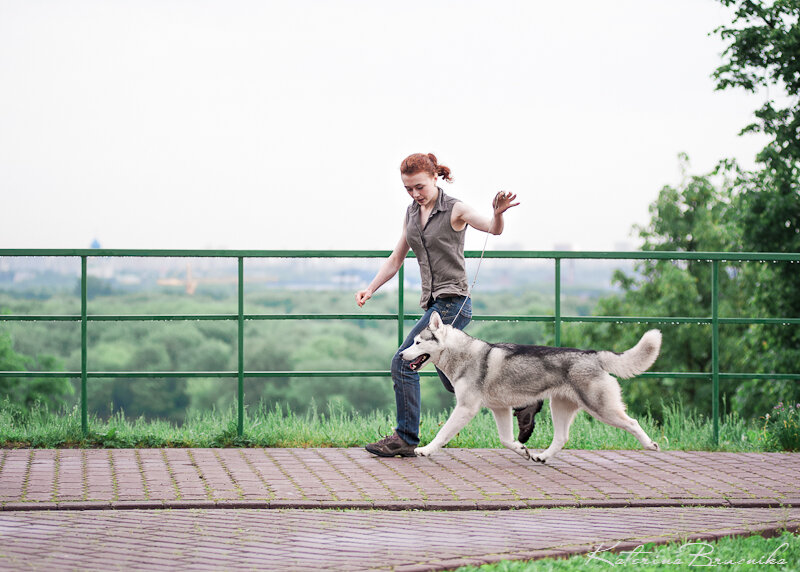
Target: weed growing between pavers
<point x="780" y="553"/>
<point x="782" y="427"/>
<point x="275" y="426"/>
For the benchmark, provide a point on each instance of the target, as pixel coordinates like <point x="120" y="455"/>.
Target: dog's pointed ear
<point x="436" y="321"/>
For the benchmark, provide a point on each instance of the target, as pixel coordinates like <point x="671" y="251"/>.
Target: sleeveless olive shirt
<point x="439" y="250"/>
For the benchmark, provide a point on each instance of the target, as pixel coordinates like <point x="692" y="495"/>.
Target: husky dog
<point x="506" y="376"/>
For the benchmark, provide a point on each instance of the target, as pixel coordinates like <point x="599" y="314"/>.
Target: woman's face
<point x="421" y="188"/>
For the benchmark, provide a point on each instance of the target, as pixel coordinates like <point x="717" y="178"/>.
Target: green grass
<point x="732" y="553"/>
<point x="277" y="427"/>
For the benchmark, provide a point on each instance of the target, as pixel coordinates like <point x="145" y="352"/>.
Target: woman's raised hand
<point x="503" y="201"/>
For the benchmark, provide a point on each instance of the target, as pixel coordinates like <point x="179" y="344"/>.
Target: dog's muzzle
<point x="418" y="361"/>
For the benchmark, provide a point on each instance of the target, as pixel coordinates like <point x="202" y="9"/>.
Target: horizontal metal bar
<point x="505" y="318"/>
<point x="774" y="321"/>
<point x="407" y="317"/>
<point x="513" y="254"/>
<point x="160" y="253"/>
<point x="39" y="318"/>
<point x="118" y="374"/>
<point x="339" y="373"/>
<point x="39" y="374"/>
<point x="157" y="317"/>
<point x="675" y="320"/>
<point x="192" y="317"/>
<point x="700" y="375"/>
<point x="674" y="374"/>
<point x="636" y="319"/>
<point x="257" y="317"/>
<point x="252" y="317"/>
<point x="785" y="376"/>
<point x="196" y="374"/>
<point x="119" y="318"/>
<point x="626" y="319"/>
<point x="368" y="373"/>
<point x="639" y="255"/>
<point x="235" y="317"/>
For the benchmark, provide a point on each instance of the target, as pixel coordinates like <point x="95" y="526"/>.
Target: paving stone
<point x="234" y="539"/>
<point x="342" y="477"/>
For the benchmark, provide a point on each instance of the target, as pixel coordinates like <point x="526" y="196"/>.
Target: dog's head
<point x="428" y="344"/>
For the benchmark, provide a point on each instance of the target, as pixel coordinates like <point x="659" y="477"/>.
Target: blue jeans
<point x="406" y="380"/>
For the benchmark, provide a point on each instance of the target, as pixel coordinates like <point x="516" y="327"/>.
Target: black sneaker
<point x="526" y="417"/>
<point x="391" y="446"/>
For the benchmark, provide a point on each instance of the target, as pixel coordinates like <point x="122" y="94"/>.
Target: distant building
<point x="95" y="244"/>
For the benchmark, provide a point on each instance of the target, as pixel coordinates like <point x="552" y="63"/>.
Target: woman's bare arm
<point x="464" y="215"/>
<point x="387" y="270"/>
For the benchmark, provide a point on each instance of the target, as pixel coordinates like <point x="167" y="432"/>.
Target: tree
<point x="764" y="54"/>
<point x="695" y="216"/>
<point x="95" y="287"/>
<point x="26" y="392"/>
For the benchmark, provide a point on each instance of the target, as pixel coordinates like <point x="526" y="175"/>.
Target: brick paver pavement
<point x="55" y="506"/>
<point x="352" y="478"/>
<point x="292" y="539"/>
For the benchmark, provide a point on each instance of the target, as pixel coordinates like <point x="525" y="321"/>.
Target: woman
<point x="434" y="228"/>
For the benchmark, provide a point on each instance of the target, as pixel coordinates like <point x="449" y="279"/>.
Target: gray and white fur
<point x="507" y="376"/>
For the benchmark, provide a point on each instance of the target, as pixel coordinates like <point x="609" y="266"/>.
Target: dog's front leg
<point x="505" y="430"/>
<point x="460" y="416"/>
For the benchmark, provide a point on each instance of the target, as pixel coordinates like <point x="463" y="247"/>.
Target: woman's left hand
<point x="503" y="201"/>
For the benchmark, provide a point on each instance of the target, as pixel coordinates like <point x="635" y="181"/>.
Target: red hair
<point x="422" y="163"/>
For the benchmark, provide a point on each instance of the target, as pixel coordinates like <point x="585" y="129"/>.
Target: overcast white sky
<point x="281" y="124"/>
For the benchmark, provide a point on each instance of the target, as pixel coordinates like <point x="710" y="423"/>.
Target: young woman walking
<point x="434" y="228"/>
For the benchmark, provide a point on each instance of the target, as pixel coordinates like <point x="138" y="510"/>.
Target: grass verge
<point x="277" y="427"/>
<point x="733" y="553"/>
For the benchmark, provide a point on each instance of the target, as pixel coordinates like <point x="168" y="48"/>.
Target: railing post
<point x="558" y="303"/>
<point x="240" y="389"/>
<point x="715" y="348"/>
<point x="400" y="303"/>
<point x="84" y="400"/>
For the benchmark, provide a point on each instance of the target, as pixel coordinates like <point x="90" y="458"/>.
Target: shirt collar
<point x="439" y="206"/>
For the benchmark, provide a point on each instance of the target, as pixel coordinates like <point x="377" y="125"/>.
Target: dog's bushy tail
<point x="634" y="361"/>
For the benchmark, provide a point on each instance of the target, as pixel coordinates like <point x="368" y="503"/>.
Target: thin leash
<point x="480" y="261"/>
<point x="474" y="278"/>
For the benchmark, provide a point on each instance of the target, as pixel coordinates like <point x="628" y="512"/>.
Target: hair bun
<point x="425" y="163"/>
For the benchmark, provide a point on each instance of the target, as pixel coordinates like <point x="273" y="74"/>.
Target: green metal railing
<point x="715" y="320"/>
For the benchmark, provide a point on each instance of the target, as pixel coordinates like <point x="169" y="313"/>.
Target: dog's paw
<point x="654" y="446"/>
<point x="522" y="451"/>
<point x="539" y="459"/>
<point x="422" y="452"/>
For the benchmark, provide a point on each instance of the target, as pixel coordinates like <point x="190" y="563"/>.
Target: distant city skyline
<point x="281" y="124"/>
